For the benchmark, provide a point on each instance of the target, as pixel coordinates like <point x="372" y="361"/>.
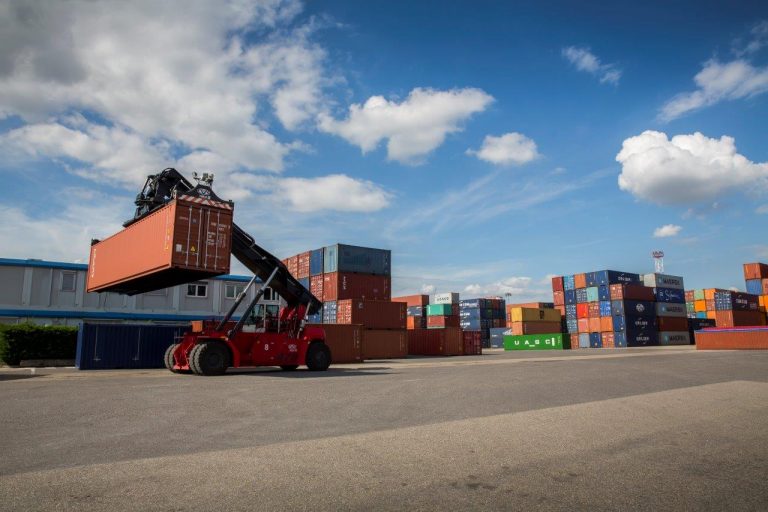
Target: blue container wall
<point x="329" y="312"/>
<point x="304" y="281"/>
<point x="570" y="296"/>
<point x="581" y="295"/>
<point x="754" y="286"/>
<point x="416" y="311"/>
<point x="569" y="283"/>
<point x="497" y="336"/>
<point x="570" y="311"/>
<point x="701" y="314"/>
<point x="584" y="340"/>
<point x="317" y="318"/>
<point x="350" y="258"/>
<point x="633" y="307"/>
<point x="634" y="324"/>
<point x="595" y="340"/>
<point x="113" y="346"/>
<point x="316" y="262"/>
<point x="605" y="308"/>
<point x="669" y="295"/>
<point x="604" y="292"/>
<point x="608" y="277"/>
<point x="591" y="279"/>
<point x="572" y="325"/>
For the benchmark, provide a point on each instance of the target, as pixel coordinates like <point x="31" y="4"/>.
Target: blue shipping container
<point x="572" y="325"/>
<point x="669" y="295"/>
<point x="636" y="339"/>
<point x="591" y="279"/>
<point x="608" y="277"/>
<point x="569" y="283"/>
<point x="605" y="308"/>
<point x="633" y="307"/>
<point x="754" y="286"/>
<point x="416" y="311"/>
<point x="701" y="314"/>
<point x="570" y="311"/>
<point x="584" y="340"/>
<point x="472" y="313"/>
<point x="570" y="296"/>
<point x="350" y="258"/>
<point x="316" y="262"/>
<point x="497" y="336"/>
<point x="581" y="295"/>
<point x="604" y="292"/>
<point x="633" y="324"/>
<point x="304" y="281"/>
<point x="329" y="312"/>
<point x="113" y="346"/>
<point x="595" y="340"/>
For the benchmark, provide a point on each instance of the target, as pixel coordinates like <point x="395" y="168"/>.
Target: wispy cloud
<point x="583" y="59"/>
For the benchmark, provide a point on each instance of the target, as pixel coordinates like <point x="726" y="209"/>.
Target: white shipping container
<point x="446" y="298"/>
<point x="663" y="281"/>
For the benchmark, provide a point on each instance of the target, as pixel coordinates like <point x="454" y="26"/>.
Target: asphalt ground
<point x="640" y="429"/>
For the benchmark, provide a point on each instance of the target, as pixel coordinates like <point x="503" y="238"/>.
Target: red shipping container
<point x="690" y="295"/>
<point x="435" y="342"/>
<point x="385" y="344"/>
<point x="413" y="300"/>
<point x="347" y="285"/>
<point x="732" y="339"/>
<point x="292" y="264"/>
<point x="373" y="314"/>
<point x="438" y="321"/>
<point x="181" y="242"/>
<point x="669" y="323"/>
<point x="765" y="286"/>
<point x="594" y="309"/>
<point x="559" y="298"/>
<point x="582" y="310"/>
<point x="608" y="339"/>
<point x="606" y="323"/>
<point x="595" y="324"/>
<point x="473" y="343"/>
<point x="583" y="325"/>
<point x="710" y="304"/>
<point x="416" y="322"/>
<point x="345" y="342"/>
<point x="631" y="292"/>
<point x="316" y="286"/>
<point x="574" y="341"/>
<point x="519" y="328"/>
<point x="302" y="264"/>
<point x="557" y="284"/>
<point x="730" y="318"/>
<point x="755" y="271"/>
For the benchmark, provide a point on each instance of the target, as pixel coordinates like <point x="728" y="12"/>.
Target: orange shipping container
<point x="608" y="339"/>
<point x="712" y="315"/>
<point x="606" y="323"/>
<point x="416" y="322"/>
<point x="316" y="286"/>
<point x="574" y="341"/>
<point x="732" y="339"/>
<point x="345" y="342"/>
<point x="413" y="300"/>
<point x="700" y="305"/>
<point x="580" y="280"/>
<point x="438" y="321"/>
<point x="292" y="264"/>
<point x="558" y="297"/>
<point x="385" y="344"/>
<point x="755" y="271"/>
<point x="302" y="264"/>
<point x="583" y="325"/>
<point x="595" y="324"/>
<point x="519" y="328"/>
<point x="181" y="242"/>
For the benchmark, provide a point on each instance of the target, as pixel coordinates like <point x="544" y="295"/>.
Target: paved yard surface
<point x="642" y="429"/>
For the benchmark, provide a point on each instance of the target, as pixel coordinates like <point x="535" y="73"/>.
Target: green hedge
<point x="29" y="341"/>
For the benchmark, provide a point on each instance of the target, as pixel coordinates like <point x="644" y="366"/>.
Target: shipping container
<point x="497" y="336"/>
<point x="416" y="322"/>
<point x="521" y="328"/>
<point x="633" y="307"/>
<point x="329" y="312"/>
<point x="413" y="300"/>
<point x="754" y="286"/>
<point x="569" y="283"/>
<point x="745" y="338"/>
<point x="316" y="262"/>
<point x="606" y="323"/>
<point x="672" y="323"/>
<point x="570" y="297"/>
<point x="594" y="309"/>
<point x="292" y="264"/>
<point x="350" y="258"/>
<point x="372" y="314"/>
<point x="595" y="324"/>
<point x="698" y="294"/>
<point x="302" y="264"/>
<point x="116" y="346"/>
<point x="608" y="339"/>
<point x="446" y="298"/>
<point x="344" y="285"/>
<point x="730" y="318"/>
<point x="531" y="314"/>
<point x="609" y="277"/>
<point x="671" y="295"/>
<point x="546" y="341"/>
<point x="181" y="242"/>
<point x="581" y="295"/>
<point x="557" y="284"/>
<point x="664" y="281"/>
<point x="385" y="344"/>
<point x="590" y="279"/>
<point x="583" y="325"/>
<point x="473" y="343"/>
<point x="558" y="297"/>
<point x="580" y="280"/>
<point x="669" y="309"/>
<point x="440" y="309"/>
<point x="572" y="325"/>
<point x="574" y="338"/>
<point x="605" y="308"/>
<point x="674" y="338"/>
<point x="636" y="339"/>
<point x="755" y="271"/>
<point x="584" y="340"/>
<point x="592" y="294"/>
<point x="316" y="286"/>
<point x="623" y="323"/>
<point x="604" y="292"/>
<point x="571" y="311"/>
<point x="595" y="340"/>
<point x="435" y="342"/>
<point x="695" y="324"/>
<point x="304" y="281"/>
<point x="416" y="310"/>
<point x="439" y="322"/>
<point x="631" y="292"/>
<point x="345" y="342"/>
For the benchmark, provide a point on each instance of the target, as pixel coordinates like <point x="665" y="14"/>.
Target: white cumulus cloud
<point x="333" y="192"/>
<point x="508" y="149"/>
<point x="413" y="127"/>
<point x="584" y="60"/>
<point x="717" y="82"/>
<point x="667" y="230"/>
<point x="686" y="169"/>
<point x="520" y="287"/>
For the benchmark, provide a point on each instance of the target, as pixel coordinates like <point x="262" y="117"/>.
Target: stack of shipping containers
<point x="533" y="326"/>
<point x="756" y="280"/>
<point x="416" y="310"/>
<point x="609" y="308"/>
<point x="443" y="335"/>
<point x="354" y="285"/>
<point x="482" y="315"/>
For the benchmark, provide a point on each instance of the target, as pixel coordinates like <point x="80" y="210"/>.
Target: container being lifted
<point x="186" y="240"/>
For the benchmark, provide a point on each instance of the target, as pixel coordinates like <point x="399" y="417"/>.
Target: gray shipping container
<point x="671" y="309"/>
<point x="363" y="260"/>
<point x="674" y="338"/>
<point x="663" y="281"/>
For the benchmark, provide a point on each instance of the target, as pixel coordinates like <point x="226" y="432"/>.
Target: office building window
<point x="197" y="290"/>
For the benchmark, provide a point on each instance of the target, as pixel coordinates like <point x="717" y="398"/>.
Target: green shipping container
<point x="593" y="294"/>
<point x="698" y="294"/>
<point x="439" y="309"/>
<point x="552" y="341"/>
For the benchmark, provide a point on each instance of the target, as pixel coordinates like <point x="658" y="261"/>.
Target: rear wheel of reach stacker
<point x="168" y="359"/>
<point x="318" y="356"/>
<point x="209" y="358"/>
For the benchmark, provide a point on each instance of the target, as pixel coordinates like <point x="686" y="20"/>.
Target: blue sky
<point x="489" y="145"/>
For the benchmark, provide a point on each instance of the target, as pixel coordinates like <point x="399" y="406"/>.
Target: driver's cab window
<point x="263" y="318"/>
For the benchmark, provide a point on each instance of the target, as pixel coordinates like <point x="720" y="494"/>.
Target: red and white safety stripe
<point x="206" y="202"/>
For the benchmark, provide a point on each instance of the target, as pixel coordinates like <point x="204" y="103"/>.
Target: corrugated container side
<point x="345" y="342"/>
<point x="755" y="271"/>
<point x="413" y="300"/>
<point x="732" y="318"/>
<point x="754" y="286"/>
<point x="569" y="283"/>
<point x="435" y="342"/>
<point x="416" y="322"/>
<point x="580" y="280"/>
<point x="316" y="286"/>
<point x="521" y="328"/>
<point x="385" y="344"/>
<point x="631" y="292"/>
<point x="754" y="338"/>
<point x="531" y="314"/>
<point x="350" y="258"/>
<point x="674" y="338"/>
<point x="329" y="312"/>
<point x="316" y="262"/>
<point x="546" y="341"/>
<point x="302" y="264"/>
<point x="343" y="285"/>
<point x="672" y="323"/>
<point x="437" y="322"/>
<point x="446" y="298"/>
<point x="115" y="346"/>
<point x="633" y="307"/>
<point x="557" y="284"/>
<point x="595" y="340"/>
<point x="372" y="314"/>
<point x="663" y="281"/>
<point x="609" y="277"/>
<point x="439" y="309"/>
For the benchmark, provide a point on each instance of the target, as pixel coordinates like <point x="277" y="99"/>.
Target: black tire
<point x="209" y="358"/>
<point x="289" y="367"/>
<point x="318" y="357"/>
<point x="168" y="359"/>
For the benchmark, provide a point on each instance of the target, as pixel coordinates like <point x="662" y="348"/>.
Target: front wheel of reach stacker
<point x="209" y="358"/>
<point x="318" y="356"/>
<point x="169" y="357"/>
